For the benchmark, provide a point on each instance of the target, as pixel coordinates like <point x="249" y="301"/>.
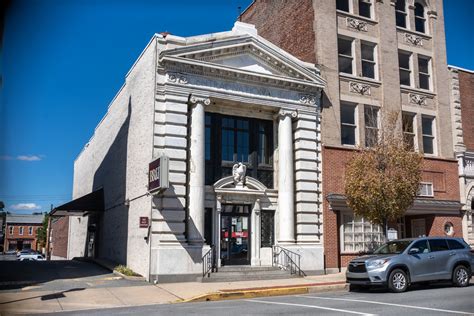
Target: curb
<point x="266" y="292"/>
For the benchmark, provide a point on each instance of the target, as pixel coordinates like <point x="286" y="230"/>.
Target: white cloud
<point x="29" y="158"/>
<point x="25" y="207"/>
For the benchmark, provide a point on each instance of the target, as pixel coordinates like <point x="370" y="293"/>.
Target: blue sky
<point x="64" y="60"/>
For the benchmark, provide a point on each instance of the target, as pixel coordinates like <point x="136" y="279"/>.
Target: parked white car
<point x="31" y="257"/>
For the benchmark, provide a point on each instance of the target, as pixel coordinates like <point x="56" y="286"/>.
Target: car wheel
<point x="398" y="281"/>
<point x="461" y="276"/>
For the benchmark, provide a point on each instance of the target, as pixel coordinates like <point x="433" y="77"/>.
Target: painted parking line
<point x="388" y="304"/>
<point x="312" y="306"/>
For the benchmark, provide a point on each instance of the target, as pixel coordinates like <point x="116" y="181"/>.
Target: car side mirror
<point x="413" y="251"/>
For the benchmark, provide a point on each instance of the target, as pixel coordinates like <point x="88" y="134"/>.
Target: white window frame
<point x="429" y="73"/>
<point x="414" y="133"/>
<point x="355" y="125"/>
<point x="30" y="230"/>
<point x="422" y="18"/>
<point x="432" y="136"/>
<point x="430" y="192"/>
<point x="20" y="230"/>
<point x="371" y="3"/>
<point x="410" y="64"/>
<point x="407" y="24"/>
<point x="351" y="8"/>
<point x="374" y="62"/>
<point x="364" y="223"/>
<point x="352" y="57"/>
<point x="377" y="128"/>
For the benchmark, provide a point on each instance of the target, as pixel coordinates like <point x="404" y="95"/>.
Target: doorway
<point x="418" y="227"/>
<point x="235" y="234"/>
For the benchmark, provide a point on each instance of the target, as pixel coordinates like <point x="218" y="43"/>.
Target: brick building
<point x="21" y="232"/>
<point x="59" y="238"/>
<point x="376" y="57"/>
<point x="462" y="103"/>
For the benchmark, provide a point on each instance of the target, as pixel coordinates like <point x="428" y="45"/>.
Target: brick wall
<point x="26" y="237"/>
<point x="285" y="24"/>
<point x="444" y="176"/>
<point x="435" y="224"/>
<point x="59" y="237"/>
<point x="466" y="87"/>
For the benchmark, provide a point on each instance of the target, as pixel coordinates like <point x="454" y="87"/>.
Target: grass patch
<point x="125" y="270"/>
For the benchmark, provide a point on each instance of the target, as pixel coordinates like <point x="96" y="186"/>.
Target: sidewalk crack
<point x="122" y="302"/>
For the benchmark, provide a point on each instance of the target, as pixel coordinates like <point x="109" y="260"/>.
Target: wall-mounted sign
<point x="158" y="175"/>
<point x="144" y="222"/>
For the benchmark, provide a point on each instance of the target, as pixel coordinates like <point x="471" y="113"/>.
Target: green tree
<point x="382" y="181"/>
<point x="43" y="231"/>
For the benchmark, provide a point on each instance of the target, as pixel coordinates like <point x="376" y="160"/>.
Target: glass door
<point x="235" y="233"/>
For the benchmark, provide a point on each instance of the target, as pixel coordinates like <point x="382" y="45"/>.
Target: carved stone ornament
<point x="291" y="113"/>
<point x="177" y="78"/>
<point x="308" y="99"/>
<point x="238" y="173"/>
<point x="417" y="99"/>
<point x="358" y="25"/>
<point x="193" y="99"/>
<point x="413" y="39"/>
<point x="359" y="88"/>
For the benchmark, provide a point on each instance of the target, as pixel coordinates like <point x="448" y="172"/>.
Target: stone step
<point x="257" y="273"/>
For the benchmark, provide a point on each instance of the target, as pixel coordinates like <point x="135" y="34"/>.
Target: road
<point x="427" y="300"/>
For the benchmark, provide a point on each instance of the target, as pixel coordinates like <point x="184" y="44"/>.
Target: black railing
<point x="287" y="260"/>
<point x="209" y="262"/>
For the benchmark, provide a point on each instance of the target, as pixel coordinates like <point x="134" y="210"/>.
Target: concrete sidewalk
<point x="31" y="300"/>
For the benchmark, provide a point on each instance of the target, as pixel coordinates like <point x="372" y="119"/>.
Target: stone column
<point x="197" y="164"/>
<point x="286" y="177"/>
<point x="255" y="234"/>
<point x="217" y="229"/>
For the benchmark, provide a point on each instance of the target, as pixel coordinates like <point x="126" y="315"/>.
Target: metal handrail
<point x="287" y="260"/>
<point x="209" y="262"/>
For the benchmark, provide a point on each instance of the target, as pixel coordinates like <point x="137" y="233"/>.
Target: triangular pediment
<point x="244" y="54"/>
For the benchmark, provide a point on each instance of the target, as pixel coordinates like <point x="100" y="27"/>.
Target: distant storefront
<point x="21" y="232"/>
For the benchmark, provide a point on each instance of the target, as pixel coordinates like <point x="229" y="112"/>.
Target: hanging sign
<point x="158" y="175"/>
<point x="144" y="222"/>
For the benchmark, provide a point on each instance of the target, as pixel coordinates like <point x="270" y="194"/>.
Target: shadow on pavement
<point x="45" y="297"/>
<point x="19" y="274"/>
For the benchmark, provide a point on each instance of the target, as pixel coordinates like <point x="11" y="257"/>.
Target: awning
<point x="420" y="206"/>
<point x="89" y="203"/>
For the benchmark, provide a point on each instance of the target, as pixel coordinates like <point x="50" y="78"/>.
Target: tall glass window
<point x="264" y="143"/>
<point x="346" y="57"/>
<point x="208" y="137"/>
<point x="368" y="59"/>
<point x="365" y="8"/>
<point x="358" y="234"/>
<point x="348" y="124"/>
<point x="420" y="20"/>
<point x="424" y="72"/>
<point x="428" y="135"/>
<point x="408" y="130"/>
<point x="371" y="118"/>
<point x="342" y="5"/>
<point x="401" y="13"/>
<point x="405" y="68"/>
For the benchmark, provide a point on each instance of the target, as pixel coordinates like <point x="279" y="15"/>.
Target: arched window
<point x="420" y="20"/>
<point x="401" y="13"/>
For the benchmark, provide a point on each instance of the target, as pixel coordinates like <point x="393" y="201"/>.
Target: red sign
<point x="158" y="175"/>
<point x="144" y="222"/>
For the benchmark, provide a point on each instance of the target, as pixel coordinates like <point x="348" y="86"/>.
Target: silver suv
<point x="399" y="263"/>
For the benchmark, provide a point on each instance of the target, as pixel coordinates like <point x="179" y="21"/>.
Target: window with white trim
<point x="10" y="230"/>
<point x="21" y="230"/>
<point x="343" y="5"/>
<point x="404" y="63"/>
<point x="420" y="19"/>
<point x="424" y="71"/>
<point x="365" y="8"/>
<point x="359" y="234"/>
<point x="401" y="13"/>
<point x="368" y="59"/>
<point x="408" y="127"/>
<point x="371" y="119"/>
<point x="346" y="55"/>
<point x="348" y="124"/>
<point x="427" y="123"/>
<point x="426" y="189"/>
<point x="30" y="230"/>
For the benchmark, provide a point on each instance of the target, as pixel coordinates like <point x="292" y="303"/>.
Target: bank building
<point x="208" y="156"/>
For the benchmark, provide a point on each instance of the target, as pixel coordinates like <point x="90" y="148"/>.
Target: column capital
<point x="195" y="98"/>
<point x="287" y="112"/>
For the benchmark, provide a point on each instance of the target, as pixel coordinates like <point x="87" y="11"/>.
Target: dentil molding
<point x="195" y="99"/>
<point x="177" y="78"/>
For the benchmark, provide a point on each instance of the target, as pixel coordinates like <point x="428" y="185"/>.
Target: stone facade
<point x="462" y="104"/>
<point x="161" y="111"/>
<point x="377" y="29"/>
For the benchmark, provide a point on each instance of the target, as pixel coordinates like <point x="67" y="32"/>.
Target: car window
<point x="393" y="247"/>
<point x="422" y="245"/>
<point x="454" y="244"/>
<point x="438" y="245"/>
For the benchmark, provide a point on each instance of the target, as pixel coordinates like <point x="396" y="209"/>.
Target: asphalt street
<point x="440" y="299"/>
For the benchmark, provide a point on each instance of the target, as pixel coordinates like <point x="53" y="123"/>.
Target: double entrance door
<point x="235" y="234"/>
